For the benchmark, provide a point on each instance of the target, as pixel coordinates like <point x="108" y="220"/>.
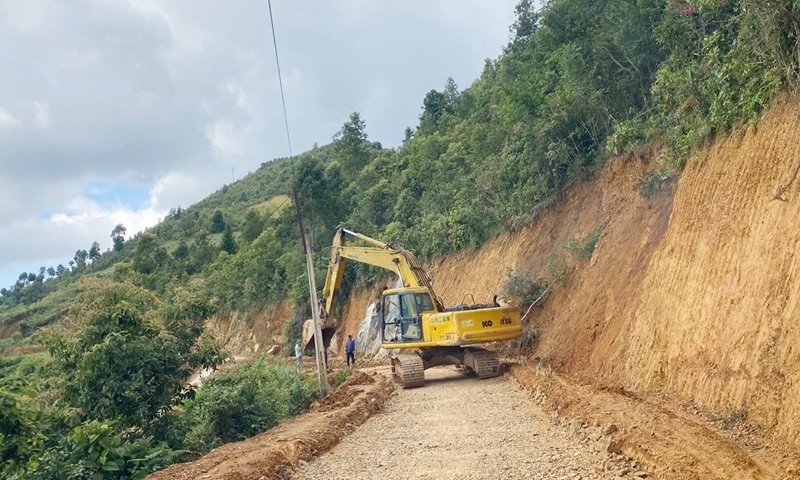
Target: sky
<point x="116" y="111"/>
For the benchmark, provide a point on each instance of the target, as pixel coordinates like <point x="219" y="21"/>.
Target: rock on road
<point x="458" y="427"/>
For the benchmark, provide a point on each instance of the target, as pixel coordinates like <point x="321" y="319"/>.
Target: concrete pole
<point x="319" y="342"/>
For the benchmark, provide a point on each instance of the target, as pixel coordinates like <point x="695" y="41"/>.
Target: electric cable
<point x="280" y="79"/>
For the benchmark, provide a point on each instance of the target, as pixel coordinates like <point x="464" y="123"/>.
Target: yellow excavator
<point x="412" y="316"/>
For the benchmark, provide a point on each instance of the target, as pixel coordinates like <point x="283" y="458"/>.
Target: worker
<point x="350" y="350"/>
<point x="298" y="352"/>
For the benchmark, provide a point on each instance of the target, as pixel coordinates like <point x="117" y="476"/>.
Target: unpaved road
<point x="457" y="427"/>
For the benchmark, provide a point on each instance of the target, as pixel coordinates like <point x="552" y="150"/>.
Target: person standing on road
<point x="298" y="352"/>
<point x="350" y="350"/>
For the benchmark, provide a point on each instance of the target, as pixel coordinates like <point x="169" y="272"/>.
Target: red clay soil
<point x="275" y="453"/>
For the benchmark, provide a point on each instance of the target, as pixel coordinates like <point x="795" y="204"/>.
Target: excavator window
<point x="390" y="310"/>
<point x="401" y="321"/>
<point x="424" y="303"/>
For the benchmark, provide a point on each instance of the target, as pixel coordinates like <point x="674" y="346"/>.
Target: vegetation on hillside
<point x="111" y="401"/>
<point x="578" y="80"/>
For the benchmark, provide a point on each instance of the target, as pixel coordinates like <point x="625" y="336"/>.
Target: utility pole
<point x="319" y="342"/>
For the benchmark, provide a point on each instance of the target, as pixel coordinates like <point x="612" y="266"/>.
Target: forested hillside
<point x="579" y="82"/>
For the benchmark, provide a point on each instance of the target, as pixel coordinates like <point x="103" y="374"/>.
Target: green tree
<point x="524" y="25"/>
<point x="80" y="259"/>
<point x="118" y="236"/>
<point x="351" y="146"/>
<point x="217" y="222"/>
<point x="94" y="251"/>
<point x="252" y="227"/>
<point x="181" y="252"/>
<point x="228" y="243"/>
<point x="123" y="361"/>
<point x="148" y="256"/>
<point x="201" y="252"/>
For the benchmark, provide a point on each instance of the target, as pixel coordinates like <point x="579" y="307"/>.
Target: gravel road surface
<point x="457" y="427"/>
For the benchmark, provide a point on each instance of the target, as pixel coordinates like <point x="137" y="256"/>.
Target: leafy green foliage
<point x="123" y="362"/>
<point x="519" y="288"/>
<point x="582" y="248"/>
<point x="727" y="61"/>
<point x="245" y="401"/>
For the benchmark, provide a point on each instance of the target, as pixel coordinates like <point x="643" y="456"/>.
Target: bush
<point x="520" y="288"/>
<point x="557" y="270"/>
<point x="582" y="248"/>
<point x="244" y="402"/>
<point x="341" y="376"/>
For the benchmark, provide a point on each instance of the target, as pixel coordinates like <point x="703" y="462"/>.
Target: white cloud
<point x="172" y="96"/>
<point x="8" y="121"/>
<point x="41" y="115"/>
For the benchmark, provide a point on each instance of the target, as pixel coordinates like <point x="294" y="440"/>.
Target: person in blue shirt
<point x="350" y="350"/>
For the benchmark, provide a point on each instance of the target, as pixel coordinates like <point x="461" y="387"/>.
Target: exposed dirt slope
<point x="692" y="296"/>
<point x="251" y="332"/>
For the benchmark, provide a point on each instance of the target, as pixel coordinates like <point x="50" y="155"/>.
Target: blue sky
<point x="115" y="111"/>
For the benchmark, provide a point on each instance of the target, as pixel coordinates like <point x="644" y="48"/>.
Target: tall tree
<point x="94" y="251"/>
<point x="217" y="222"/>
<point x="252" y="226"/>
<point x="148" y="255"/>
<point x="351" y="146"/>
<point x="228" y="243"/>
<point x="118" y="237"/>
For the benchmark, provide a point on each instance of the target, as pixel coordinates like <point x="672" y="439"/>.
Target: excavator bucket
<point x="308" y="343"/>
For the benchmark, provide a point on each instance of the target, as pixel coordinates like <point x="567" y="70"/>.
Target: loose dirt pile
<point x="273" y="454"/>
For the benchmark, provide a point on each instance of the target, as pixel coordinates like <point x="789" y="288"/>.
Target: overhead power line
<point x="280" y="78"/>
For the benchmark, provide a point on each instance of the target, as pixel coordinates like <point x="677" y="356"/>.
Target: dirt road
<point x="460" y="428"/>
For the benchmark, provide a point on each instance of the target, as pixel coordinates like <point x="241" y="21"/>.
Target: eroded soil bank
<point x="691" y="295"/>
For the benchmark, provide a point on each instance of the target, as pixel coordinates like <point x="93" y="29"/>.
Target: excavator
<point x="413" y="317"/>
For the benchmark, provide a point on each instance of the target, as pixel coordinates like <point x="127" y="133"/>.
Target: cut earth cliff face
<point x="693" y="293"/>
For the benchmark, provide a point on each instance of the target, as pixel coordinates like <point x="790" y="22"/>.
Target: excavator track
<point x="485" y="363"/>
<point x="409" y="369"/>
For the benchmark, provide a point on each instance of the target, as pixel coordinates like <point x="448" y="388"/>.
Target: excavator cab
<point x="401" y="315"/>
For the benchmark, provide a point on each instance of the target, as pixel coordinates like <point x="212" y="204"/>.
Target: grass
<point x="272" y="206"/>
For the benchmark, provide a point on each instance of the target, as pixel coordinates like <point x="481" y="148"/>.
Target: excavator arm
<point x="380" y="254"/>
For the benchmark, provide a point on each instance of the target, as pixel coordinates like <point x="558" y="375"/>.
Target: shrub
<point x="341" y="376"/>
<point x="245" y="401"/>
<point x="557" y="270"/>
<point x="520" y="288"/>
<point x="582" y="248"/>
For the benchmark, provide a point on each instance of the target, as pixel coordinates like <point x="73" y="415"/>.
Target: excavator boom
<point x="384" y="255"/>
<point x="413" y="316"/>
